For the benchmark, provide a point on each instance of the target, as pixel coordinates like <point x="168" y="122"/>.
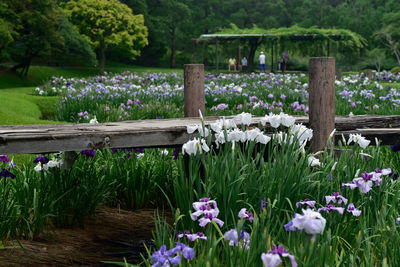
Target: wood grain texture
<point x="159" y="133"/>
<point x="321" y="100"/>
<point x="194" y="89"/>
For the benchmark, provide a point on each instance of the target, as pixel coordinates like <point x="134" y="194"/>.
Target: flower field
<point x="239" y="196"/>
<point x="127" y="96"/>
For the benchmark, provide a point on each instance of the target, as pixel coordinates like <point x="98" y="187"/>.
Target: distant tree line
<point x="159" y="32"/>
<point x="173" y="23"/>
<point x="76" y="32"/>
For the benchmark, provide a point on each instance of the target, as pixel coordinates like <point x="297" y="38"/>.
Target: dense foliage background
<point x="171" y="24"/>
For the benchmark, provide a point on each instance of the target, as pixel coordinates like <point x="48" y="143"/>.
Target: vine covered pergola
<point x="305" y="40"/>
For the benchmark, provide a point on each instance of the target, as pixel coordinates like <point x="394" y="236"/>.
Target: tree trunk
<point x="173" y="65"/>
<point x="253" y="48"/>
<point x="102" y="59"/>
<point x="24" y="65"/>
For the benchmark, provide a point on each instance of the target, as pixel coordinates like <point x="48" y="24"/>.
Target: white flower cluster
<point x="192" y="128"/>
<point x="302" y="133"/>
<point x="194" y="147"/>
<point x="360" y="140"/>
<point x="234" y="134"/>
<point x="51" y="164"/>
<point x="275" y="120"/>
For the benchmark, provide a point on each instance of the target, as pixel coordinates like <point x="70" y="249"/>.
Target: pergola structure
<point x="275" y="36"/>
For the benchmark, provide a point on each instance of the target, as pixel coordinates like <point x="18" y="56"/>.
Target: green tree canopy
<point x="107" y="24"/>
<point x="390" y="33"/>
<point x="74" y="48"/>
<point x="7" y="27"/>
<point x="35" y="25"/>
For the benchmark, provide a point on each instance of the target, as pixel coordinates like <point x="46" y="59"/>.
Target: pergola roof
<point x="214" y="36"/>
<point x="294" y="33"/>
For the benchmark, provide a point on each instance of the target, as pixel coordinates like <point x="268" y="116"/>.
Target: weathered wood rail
<point x="160" y="133"/>
<point x="172" y="132"/>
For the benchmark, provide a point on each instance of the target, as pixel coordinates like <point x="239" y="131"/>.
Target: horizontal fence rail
<point x="161" y="133"/>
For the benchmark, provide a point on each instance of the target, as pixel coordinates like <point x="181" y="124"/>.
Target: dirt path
<point x="111" y="235"/>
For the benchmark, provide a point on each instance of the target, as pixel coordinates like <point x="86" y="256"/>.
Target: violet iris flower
<point x="365" y="182"/>
<point x="6" y="174"/>
<point x="353" y="210"/>
<point x="395" y="148"/>
<point x="4" y="158"/>
<point x="234" y="238"/>
<point x="244" y="214"/>
<point x="139" y="150"/>
<point x="164" y="257"/>
<point x="192" y="237"/>
<point x="273" y="257"/>
<point x="176" y="153"/>
<point x="329" y="208"/>
<point x="307" y="201"/>
<point x="336" y="198"/>
<point x="209" y="209"/>
<point x="41" y="159"/>
<point x="88" y="153"/>
<point x="263" y="203"/>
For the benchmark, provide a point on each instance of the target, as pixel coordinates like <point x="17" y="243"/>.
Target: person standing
<point x="262" y="62"/>
<point x="244" y="64"/>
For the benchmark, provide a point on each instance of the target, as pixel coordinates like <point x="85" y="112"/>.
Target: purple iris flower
<point x="6" y="174"/>
<point x="329" y="208"/>
<point x="234" y="238"/>
<point x="4" y="158"/>
<point x="395" y="148"/>
<point x="263" y="203"/>
<point x="336" y="198"/>
<point x="289" y="226"/>
<point x="208" y="209"/>
<point x="91" y="153"/>
<point x="366" y="176"/>
<point x="139" y="150"/>
<point x="308" y="202"/>
<point x="41" y="159"/>
<point x="394" y="175"/>
<point x="176" y="153"/>
<point x="244" y="214"/>
<point x="273" y="257"/>
<point x="353" y="210"/>
<point x="192" y="237"/>
<point x="164" y="257"/>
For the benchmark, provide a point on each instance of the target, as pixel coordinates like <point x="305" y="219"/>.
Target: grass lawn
<point x="20" y="106"/>
<point x="40" y="74"/>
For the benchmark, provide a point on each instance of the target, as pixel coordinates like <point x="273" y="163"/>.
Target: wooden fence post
<point x="321" y="100"/>
<point x="369" y="75"/>
<point x="194" y="89"/>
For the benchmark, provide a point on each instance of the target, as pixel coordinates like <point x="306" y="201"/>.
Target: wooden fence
<point x="172" y="132"/>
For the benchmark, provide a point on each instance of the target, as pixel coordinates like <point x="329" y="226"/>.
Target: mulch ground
<point x="110" y="235"/>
